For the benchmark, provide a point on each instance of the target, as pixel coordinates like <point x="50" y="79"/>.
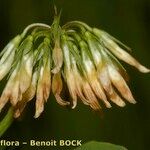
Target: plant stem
<point x="33" y="26"/>
<point x="6" y="122"/>
<point x="77" y="23"/>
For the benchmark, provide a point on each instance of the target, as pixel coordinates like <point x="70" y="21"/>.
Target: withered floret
<point x="76" y="56"/>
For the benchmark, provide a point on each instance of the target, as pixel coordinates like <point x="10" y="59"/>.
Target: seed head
<point x="76" y="56"/>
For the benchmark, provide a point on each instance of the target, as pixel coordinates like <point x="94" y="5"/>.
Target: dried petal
<point x="8" y="56"/>
<point x="93" y="102"/>
<point x="26" y="72"/>
<point x="43" y="88"/>
<point x="6" y="66"/>
<point x="106" y="83"/>
<point x="93" y="46"/>
<point x="57" y="58"/>
<point x="27" y="96"/>
<point x="120" y="84"/>
<point x="11" y="91"/>
<point x="57" y="86"/>
<point x="92" y="76"/>
<point x="118" y="51"/>
<point x="71" y="86"/>
<point x="78" y="81"/>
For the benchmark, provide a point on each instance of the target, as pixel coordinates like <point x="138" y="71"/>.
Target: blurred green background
<point x="127" y="20"/>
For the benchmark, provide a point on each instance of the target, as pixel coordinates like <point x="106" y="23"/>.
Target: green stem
<point x="33" y="26"/>
<point x="6" y="122"/>
<point x="77" y="23"/>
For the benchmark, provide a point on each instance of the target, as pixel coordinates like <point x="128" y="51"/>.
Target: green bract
<point x="45" y="58"/>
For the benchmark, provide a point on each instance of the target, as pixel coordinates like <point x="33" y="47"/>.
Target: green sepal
<point x="66" y="51"/>
<point x="86" y="59"/>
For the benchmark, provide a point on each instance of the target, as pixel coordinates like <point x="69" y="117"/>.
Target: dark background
<point x="127" y="20"/>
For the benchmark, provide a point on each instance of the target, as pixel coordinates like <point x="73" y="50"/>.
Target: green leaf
<point x="93" y="145"/>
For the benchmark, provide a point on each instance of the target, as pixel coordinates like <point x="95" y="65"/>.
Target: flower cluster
<point x="74" y="59"/>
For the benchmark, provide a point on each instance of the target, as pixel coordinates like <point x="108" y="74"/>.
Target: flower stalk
<point x="6" y="122"/>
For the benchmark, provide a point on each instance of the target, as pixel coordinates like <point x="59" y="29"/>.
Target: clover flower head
<point x="74" y="59"/>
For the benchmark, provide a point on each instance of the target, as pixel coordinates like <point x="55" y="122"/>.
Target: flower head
<point x="76" y="56"/>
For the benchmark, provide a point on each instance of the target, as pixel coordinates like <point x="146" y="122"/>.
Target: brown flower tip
<point x="82" y="58"/>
